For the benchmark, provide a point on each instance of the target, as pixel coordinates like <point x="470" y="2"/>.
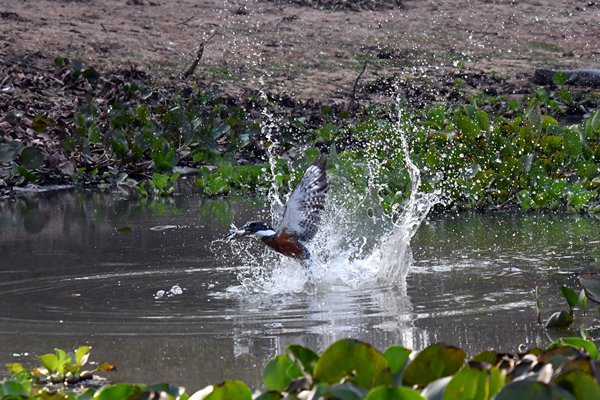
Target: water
<point x="85" y="268"/>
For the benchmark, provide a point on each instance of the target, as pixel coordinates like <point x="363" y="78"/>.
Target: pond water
<point x="85" y="268"/>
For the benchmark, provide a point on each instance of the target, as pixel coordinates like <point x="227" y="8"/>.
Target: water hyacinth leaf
<point x="434" y="362"/>
<point x="280" y="372"/>
<point x="82" y="354"/>
<point x="13" y="390"/>
<point x="399" y="393"/>
<point x="435" y="390"/>
<point x="582" y="385"/>
<point x="559" y="78"/>
<point x="31" y="158"/>
<point x="306" y="357"/>
<point x="570" y="296"/>
<point x="482" y="120"/>
<point x="270" y="395"/>
<point x="469" y="128"/>
<point x="533" y="390"/>
<point x="534" y="115"/>
<point x="573" y="145"/>
<point x="488" y="357"/>
<point x="578" y="343"/>
<point x="474" y="384"/>
<point x="360" y="362"/>
<point x="343" y="391"/>
<point x="50" y="362"/>
<point x="591" y="285"/>
<point x="118" y="391"/>
<point x="560" y="319"/>
<point x="228" y="390"/>
<point x="14" y="368"/>
<point x="396" y="357"/>
<point x="583" y="301"/>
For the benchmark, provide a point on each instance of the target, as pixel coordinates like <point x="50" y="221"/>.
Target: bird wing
<point x="301" y="215"/>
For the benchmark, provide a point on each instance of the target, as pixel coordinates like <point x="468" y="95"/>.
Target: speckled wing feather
<point x="302" y="211"/>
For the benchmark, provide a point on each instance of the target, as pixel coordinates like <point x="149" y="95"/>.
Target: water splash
<point x="358" y="245"/>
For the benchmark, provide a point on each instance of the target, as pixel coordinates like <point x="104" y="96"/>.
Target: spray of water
<point x="357" y="245"/>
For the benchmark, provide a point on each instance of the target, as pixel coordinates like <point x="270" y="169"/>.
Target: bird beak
<point x="235" y="233"/>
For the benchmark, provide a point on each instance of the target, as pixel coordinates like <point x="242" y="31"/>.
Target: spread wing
<point x="301" y="215"/>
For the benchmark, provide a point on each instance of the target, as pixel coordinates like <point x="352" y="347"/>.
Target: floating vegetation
<point x="355" y="370"/>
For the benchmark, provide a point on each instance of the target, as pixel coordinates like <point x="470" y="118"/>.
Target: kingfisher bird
<point x="301" y="216"/>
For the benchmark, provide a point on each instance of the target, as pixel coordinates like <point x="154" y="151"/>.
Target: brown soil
<point x="308" y="49"/>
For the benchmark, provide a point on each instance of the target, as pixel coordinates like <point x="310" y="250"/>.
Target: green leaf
<point x="50" y="362"/>
<point x="348" y="358"/>
<point x="482" y="119"/>
<point x="280" y="372"/>
<point x="570" y="296"/>
<point x="583" y="301"/>
<point x="474" y="384"/>
<point x="31" y="158"/>
<point x="304" y="356"/>
<point x="13" y="390"/>
<point x="534" y="115"/>
<point x="434" y="362"/>
<point x="14" y="368"/>
<point x="582" y="385"/>
<point x="559" y="78"/>
<point x="532" y="390"/>
<point x="118" y="391"/>
<point x="343" y="391"/>
<point x="469" y="128"/>
<point x="577" y="343"/>
<point x="399" y="393"/>
<point x="488" y="357"/>
<point x="82" y="353"/>
<point x="228" y="390"/>
<point x="572" y="143"/>
<point x="271" y="395"/>
<point x="560" y="319"/>
<point x="396" y="357"/>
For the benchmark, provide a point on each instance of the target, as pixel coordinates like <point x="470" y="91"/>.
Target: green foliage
<point x="354" y="361"/>
<point x="353" y="370"/>
<point x="62" y="366"/>
<point x="434" y="362"/>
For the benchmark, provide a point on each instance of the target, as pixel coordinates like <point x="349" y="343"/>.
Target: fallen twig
<point x="192" y="67"/>
<point x="354" y="99"/>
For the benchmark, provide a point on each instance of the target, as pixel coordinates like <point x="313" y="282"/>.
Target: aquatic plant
<point x="353" y="370"/>
<point x="490" y="152"/>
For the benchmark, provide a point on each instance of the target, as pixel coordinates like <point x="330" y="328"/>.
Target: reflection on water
<point x="86" y="268"/>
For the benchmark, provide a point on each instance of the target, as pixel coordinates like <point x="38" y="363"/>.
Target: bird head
<point x="256" y="228"/>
